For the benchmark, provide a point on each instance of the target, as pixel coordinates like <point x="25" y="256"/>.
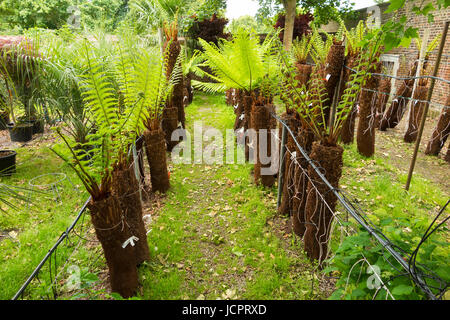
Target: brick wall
<point x="408" y="55"/>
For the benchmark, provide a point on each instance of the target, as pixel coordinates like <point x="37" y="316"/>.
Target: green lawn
<point x="216" y="234"/>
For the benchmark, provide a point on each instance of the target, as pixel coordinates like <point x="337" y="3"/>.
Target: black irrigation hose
<point x="63" y="236"/>
<point x="382" y="239"/>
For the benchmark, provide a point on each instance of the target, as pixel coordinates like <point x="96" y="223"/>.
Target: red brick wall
<point x="408" y="55"/>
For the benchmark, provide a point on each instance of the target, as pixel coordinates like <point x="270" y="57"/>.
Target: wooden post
<point x="427" y="105"/>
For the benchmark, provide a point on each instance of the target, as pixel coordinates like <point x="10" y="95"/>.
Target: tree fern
<point x="97" y="93"/>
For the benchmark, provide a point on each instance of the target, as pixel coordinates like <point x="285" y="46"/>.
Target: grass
<point x="33" y="229"/>
<point x="214" y="237"/>
<point x="217" y="235"/>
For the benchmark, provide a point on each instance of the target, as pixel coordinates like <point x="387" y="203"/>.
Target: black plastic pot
<point x="38" y="125"/>
<point x="20" y="133"/>
<point x="7" y="162"/>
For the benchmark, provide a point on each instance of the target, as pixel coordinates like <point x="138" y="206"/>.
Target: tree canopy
<point x="323" y="10"/>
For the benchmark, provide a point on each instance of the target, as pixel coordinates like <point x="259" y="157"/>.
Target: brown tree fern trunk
<point x="169" y="124"/>
<point x="305" y="138"/>
<point x="447" y="155"/>
<point x="247" y="124"/>
<point x="126" y="189"/>
<point x="441" y="132"/>
<point x="416" y="111"/>
<point x="288" y="188"/>
<point x="331" y="74"/>
<point x="155" y="147"/>
<point x="348" y="127"/>
<point x="140" y="152"/>
<point x="396" y="110"/>
<point x="319" y="215"/>
<point x="303" y="74"/>
<point x="365" y="137"/>
<point x="112" y="231"/>
<point x="261" y="119"/>
<point x="382" y="99"/>
<point x="239" y="98"/>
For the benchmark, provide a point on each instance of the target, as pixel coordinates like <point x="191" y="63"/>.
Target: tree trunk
<point x="140" y="153"/>
<point x="126" y="189"/>
<point x="247" y="124"/>
<point x="319" y="215"/>
<point x="447" y="156"/>
<point x="382" y="99"/>
<point x="261" y="119"/>
<point x="441" y="132"/>
<point x="416" y="111"/>
<point x="155" y="147"/>
<point x="239" y="98"/>
<point x="112" y="231"/>
<point x="169" y="124"/>
<point x="332" y="72"/>
<point x="348" y="127"/>
<point x="395" y="112"/>
<point x="305" y="138"/>
<point x="303" y="74"/>
<point x="288" y="187"/>
<point x="365" y="137"/>
<point x="290" y="7"/>
<point x="177" y="102"/>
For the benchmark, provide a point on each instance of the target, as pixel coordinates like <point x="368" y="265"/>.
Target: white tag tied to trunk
<point x="328" y="77"/>
<point x="236" y="106"/>
<point x="242" y="116"/>
<point x="130" y="241"/>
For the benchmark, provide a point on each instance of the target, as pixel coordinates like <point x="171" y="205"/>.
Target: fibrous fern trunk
<point x="440" y="132"/>
<point x="248" y="101"/>
<point x="303" y="73"/>
<point x="112" y="231"/>
<point x="365" y="137"/>
<point x="397" y="108"/>
<point x="262" y="119"/>
<point x="382" y="99"/>
<point x="169" y="124"/>
<point x="155" y="146"/>
<point x="348" y="127"/>
<point x="321" y="202"/>
<point x="447" y="155"/>
<point x="239" y="109"/>
<point x="126" y="188"/>
<point x="305" y="138"/>
<point x="416" y="111"/>
<point x="331" y="74"/>
<point x="288" y="185"/>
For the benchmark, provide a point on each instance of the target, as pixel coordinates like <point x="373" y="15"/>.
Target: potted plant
<point x="7" y="162"/>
